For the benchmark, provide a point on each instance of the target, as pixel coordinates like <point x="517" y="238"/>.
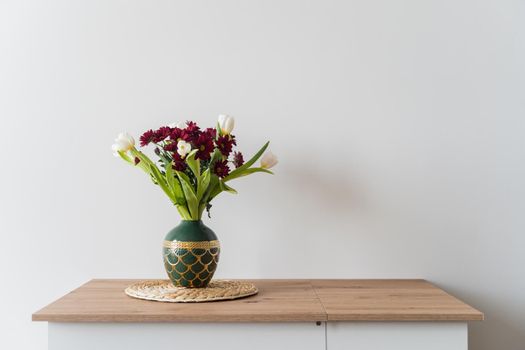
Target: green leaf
<point x="124" y="156"/>
<point x="189" y="193"/>
<point x="183" y="211"/>
<point x="212" y="190"/>
<point x="248" y="172"/>
<point x="175" y="185"/>
<point x="171" y="186"/>
<point x="145" y="163"/>
<point x="214" y="158"/>
<point x="184" y="176"/>
<point x="161" y="181"/>
<point x="248" y="164"/>
<point x="193" y="164"/>
<point x="204" y="182"/>
<point x="226" y="188"/>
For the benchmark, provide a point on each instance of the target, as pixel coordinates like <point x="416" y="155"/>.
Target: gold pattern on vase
<point x="192" y="245"/>
<point x="191" y="264"/>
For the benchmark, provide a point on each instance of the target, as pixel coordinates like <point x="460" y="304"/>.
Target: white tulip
<point x="123" y="143"/>
<point x="183" y="148"/>
<point x="180" y="125"/>
<point x="226" y="123"/>
<point x="114" y="148"/>
<point x="268" y="160"/>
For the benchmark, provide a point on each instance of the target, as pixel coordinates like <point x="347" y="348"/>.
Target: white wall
<point x="398" y="125"/>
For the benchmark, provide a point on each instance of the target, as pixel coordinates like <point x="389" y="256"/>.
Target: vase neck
<point x="191" y="230"/>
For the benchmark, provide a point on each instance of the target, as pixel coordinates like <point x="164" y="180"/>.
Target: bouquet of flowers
<point x="193" y="165"/>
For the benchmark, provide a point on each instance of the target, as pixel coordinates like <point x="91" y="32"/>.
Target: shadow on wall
<point x="328" y="206"/>
<point x="332" y="193"/>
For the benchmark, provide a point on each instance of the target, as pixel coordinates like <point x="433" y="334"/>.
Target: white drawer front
<point x="230" y="336"/>
<point x="397" y="336"/>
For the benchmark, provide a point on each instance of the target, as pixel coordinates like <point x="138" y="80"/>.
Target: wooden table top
<point x="278" y="301"/>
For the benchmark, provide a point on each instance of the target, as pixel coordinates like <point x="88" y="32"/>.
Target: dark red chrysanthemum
<point x="221" y="168"/>
<point x="225" y="144"/>
<point x="178" y="163"/>
<point x="204" y="145"/>
<point x="212" y="132"/>
<point x="175" y="134"/>
<point x="238" y="160"/>
<point x="147" y="138"/>
<point x="181" y="134"/>
<point x="171" y="146"/>
<point x="136" y="160"/>
<point x="161" y="134"/>
<point x="193" y="130"/>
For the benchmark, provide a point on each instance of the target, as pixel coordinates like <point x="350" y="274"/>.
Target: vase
<point x="191" y="254"/>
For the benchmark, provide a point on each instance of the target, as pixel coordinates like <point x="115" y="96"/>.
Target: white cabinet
<point x="397" y="336"/>
<point x="260" y="336"/>
<point x="187" y="336"/>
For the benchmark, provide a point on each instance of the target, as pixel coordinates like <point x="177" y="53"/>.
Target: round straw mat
<point x="164" y="290"/>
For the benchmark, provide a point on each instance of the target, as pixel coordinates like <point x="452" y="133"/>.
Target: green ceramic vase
<point x="191" y="254"/>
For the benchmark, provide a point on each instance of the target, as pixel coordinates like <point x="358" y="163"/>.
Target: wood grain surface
<point x="390" y="300"/>
<point x="277" y="301"/>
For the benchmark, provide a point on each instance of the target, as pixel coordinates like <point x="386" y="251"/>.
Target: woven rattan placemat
<point x="163" y="290"/>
